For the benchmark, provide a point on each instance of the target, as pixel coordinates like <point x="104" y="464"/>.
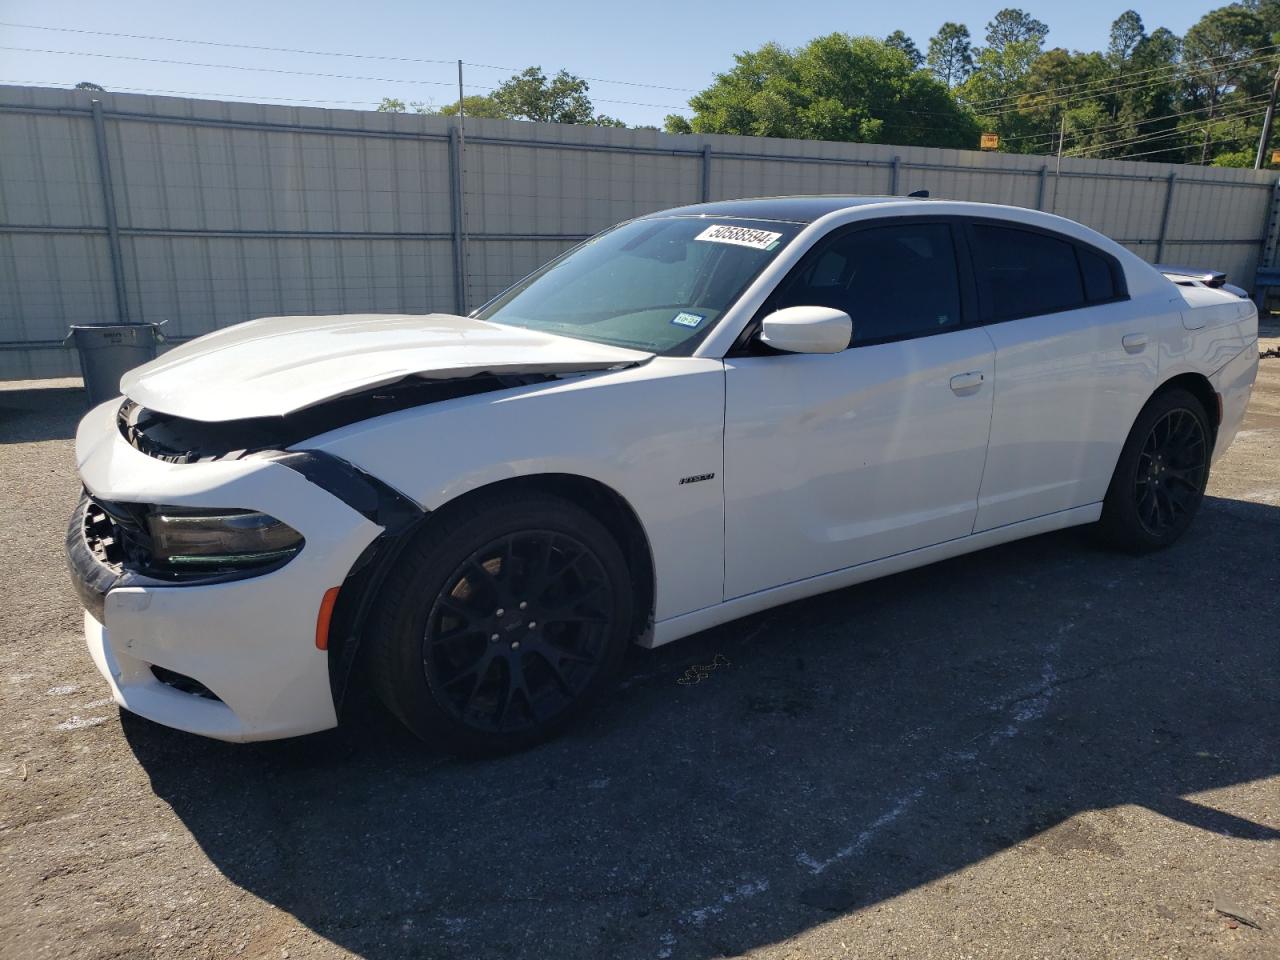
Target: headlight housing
<point x="232" y="539"/>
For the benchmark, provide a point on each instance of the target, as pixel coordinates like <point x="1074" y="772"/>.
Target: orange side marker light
<point x="324" y="616"/>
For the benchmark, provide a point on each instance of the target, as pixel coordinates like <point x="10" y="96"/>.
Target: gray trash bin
<point x="108" y="350"/>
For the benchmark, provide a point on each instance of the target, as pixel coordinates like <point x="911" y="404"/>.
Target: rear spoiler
<point x="1210" y="278"/>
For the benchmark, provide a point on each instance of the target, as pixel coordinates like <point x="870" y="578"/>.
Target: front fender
<point x="639" y="431"/>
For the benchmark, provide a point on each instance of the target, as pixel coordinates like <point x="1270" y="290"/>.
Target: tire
<point x="1160" y="477"/>
<point x="458" y="659"/>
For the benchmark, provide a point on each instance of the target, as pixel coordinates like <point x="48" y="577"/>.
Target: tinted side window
<point x="1099" y="281"/>
<point x="894" y="281"/>
<point x="1022" y="273"/>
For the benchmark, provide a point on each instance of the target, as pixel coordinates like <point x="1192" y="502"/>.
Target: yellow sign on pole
<point x="990" y="141"/>
<point x="1275" y="156"/>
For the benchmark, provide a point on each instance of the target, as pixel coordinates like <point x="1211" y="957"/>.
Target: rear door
<point x="1074" y="364"/>
<point x="838" y="459"/>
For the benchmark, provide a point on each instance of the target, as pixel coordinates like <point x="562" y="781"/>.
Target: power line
<point x="224" y="66"/>
<point x="1031" y="99"/>
<point x="1178" y="132"/>
<point x="1051" y="136"/>
<point x="624" y="83"/>
<point x="188" y="93"/>
<point x="314" y="53"/>
<point x="296" y="73"/>
<point x="1174" y="67"/>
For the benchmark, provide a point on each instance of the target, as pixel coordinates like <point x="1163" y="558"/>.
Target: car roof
<point x="787" y="209"/>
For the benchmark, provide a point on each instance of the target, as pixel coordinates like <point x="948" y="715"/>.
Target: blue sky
<point x="676" y="47"/>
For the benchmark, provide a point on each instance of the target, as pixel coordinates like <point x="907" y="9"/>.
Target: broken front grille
<point x="116" y="534"/>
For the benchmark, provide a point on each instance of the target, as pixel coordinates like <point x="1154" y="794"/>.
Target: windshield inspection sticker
<point x="687" y="319"/>
<point x="740" y="236"/>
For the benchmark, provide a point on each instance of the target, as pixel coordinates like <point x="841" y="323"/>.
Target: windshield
<point x="657" y="285"/>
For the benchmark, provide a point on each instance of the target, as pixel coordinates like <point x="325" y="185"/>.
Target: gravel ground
<point x="1041" y="750"/>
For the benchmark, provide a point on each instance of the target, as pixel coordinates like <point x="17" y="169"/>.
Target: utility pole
<point x="1062" y="136"/>
<point x="1266" y="122"/>
<point x="460" y="111"/>
<point x="462" y="196"/>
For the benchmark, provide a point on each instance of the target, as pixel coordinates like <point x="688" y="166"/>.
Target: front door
<point x="836" y="460"/>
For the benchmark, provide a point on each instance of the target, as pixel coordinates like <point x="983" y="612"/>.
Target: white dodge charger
<point x="695" y="415"/>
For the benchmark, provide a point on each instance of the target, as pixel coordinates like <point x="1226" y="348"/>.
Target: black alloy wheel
<point x="519" y="630"/>
<point x="1161" y="474"/>
<point x="1172" y="469"/>
<point x="503" y="618"/>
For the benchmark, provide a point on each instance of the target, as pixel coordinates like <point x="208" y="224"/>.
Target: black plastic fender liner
<point x="382" y="504"/>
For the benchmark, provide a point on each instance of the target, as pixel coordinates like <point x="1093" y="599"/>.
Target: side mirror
<point x="807" y="330"/>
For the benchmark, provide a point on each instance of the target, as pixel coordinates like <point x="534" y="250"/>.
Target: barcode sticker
<point x="739" y="236"/>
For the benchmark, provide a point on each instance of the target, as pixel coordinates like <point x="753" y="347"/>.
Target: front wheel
<point x="502" y="621"/>
<point x="1160" y="477"/>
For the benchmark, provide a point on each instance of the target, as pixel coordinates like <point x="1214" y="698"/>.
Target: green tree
<point x="951" y="54"/>
<point x="87" y="85"/>
<point x="1220" y="54"/>
<point x="1127" y="32"/>
<point x="1140" y="96"/>
<point x="530" y="95"/>
<point x="1014" y="41"/>
<point x="1045" y="113"/>
<point x="1000" y="76"/>
<point x="1234" y="158"/>
<point x="396" y="105"/>
<point x="836" y="87"/>
<point x="1012" y="25"/>
<point x="1150" y="106"/>
<point x="900" y="41"/>
<point x="476" y="105"/>
<point x="675" y="123"/>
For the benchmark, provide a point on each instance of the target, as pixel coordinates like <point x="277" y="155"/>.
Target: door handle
<point x="964" y="383"/>
<point x="1135" y="342"/>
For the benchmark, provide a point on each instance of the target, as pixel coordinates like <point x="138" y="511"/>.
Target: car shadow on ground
<point x="761" y="778"/>
<point x="45" y="413"/>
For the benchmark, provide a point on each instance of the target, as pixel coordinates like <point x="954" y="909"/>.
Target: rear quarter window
<point x="1098" y="274"/>
<point x="1022" y="273"/>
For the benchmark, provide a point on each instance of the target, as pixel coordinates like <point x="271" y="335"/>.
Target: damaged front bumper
<point x="232" y="657"/>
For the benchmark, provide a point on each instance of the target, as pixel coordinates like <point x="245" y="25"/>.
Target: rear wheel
<point x="502" y="622"/>
<point x="1160" y="477"/>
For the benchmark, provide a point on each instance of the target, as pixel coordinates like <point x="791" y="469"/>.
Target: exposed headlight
<point x="229" y="538"/>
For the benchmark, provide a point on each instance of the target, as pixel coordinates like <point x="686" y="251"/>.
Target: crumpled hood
<point x="277" y="365"/>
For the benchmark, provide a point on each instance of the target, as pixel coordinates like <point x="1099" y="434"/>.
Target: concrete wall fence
<point x="205" y="213"/>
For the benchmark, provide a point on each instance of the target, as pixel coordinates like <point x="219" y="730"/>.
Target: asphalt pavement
<point x="1040" y="750"/>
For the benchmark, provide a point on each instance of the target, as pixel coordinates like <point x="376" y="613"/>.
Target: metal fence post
<point x="893" y="176"/>
<point x="706" y="172"/>
<point x="457" y="214"/>
<point x="1271" y="238"/>
<point x="1044" y="178"/>
<point x="109" y="211"/>
<point x="1164" y="220"/>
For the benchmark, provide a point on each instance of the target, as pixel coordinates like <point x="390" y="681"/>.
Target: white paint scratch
<point x="700" y="915"/>
<point x="62" y="690"/>
<point x="1029" y="704"/>
<point x="743" y="891"/>
<point x="860" y="842"/>
<point x="1024" y="706"/>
